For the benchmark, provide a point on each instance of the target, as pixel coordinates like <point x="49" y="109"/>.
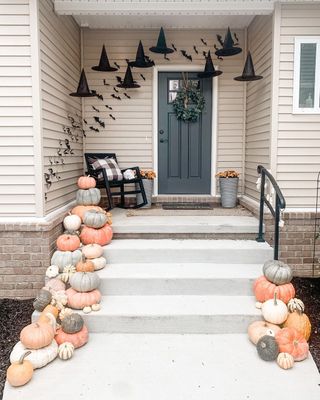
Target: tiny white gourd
<point x="87" y="309"/>
<point x="59" y="299"/>
<point x="52" y="271"/>
<point x="72" y="222"/>
<point x="38" y="358"/>
<point x="96" y="307"/>
<point x="68" y="271"/>
<point x="64" y="312"/>
<point x="99" y="263"/>
<point x="66" y="350"/>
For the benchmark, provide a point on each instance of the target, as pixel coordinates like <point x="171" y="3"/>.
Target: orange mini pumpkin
<point x="78" y="339"/>
<point x="49" y="309"/>
<point x="67" y="242"/>
<point x="86" y="182"/>
<point x="37" y="335"/>
<point x="100" y="236"/>
<point x="85" y="265"/>
<point x="291" y="341"/>
<point x="81" y="210"/>
<point x="20" y="372"/>
<point x="300" y="322"/>
<point x="264" y="290"/>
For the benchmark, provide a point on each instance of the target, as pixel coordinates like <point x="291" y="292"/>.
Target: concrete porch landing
<point x="169" y="367"/>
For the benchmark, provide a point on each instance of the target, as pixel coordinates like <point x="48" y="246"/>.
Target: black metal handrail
<point x="279" y="205"/>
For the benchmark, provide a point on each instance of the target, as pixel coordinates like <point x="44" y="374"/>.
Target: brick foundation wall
<point x="26" y="250"/>
<point x="297" y="240"/>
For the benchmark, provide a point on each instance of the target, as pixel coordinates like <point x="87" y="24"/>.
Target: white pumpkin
<point x="93" y="250"/>
<point x="64" y="312"/>
<point x="84" y="281"/>
<point x="72" y="222"/>
<point x="99" y="263"/>
<point x="52" y="271"/>
<point x="59" y="299"/>
<point x="66" y="350"/>
<point x="96" y="307"/>
<point x="87" y="309"/>
<point x="38" y="358"/>
<point x="68" y="271"/>
<point x="274" y="311"/>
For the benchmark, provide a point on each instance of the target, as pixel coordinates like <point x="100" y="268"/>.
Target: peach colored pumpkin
<point x="100" y="236"/>
<point x="300" y="322"/>
<point x="79" y="300"/>
<point x="81" y="210"/>
<point x="264" y="290"/>
<point x="20" y="372"/>
<point x="77" y="339"/>
<point x="291" y="341"/>
<point x="37" y="335"/>
<point x="55" y="284"/>
<point x="67" y="242"/>
<point x="92" y="250"/>
<point x="258" y="329"/>
<point x="86" y="182"/>
<point x="48" y="309"/>
<point x="85" y="265"/>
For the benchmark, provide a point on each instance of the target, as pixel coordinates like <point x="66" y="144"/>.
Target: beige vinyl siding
<point x="17" y="174"/>
<point x="298" y="160"/>
<point x="130" y="136"/>
<point x="258" y="121"/>
<point x="60" y="71"/>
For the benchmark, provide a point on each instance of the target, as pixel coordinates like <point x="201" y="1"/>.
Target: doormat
<point x="187" y="206"/>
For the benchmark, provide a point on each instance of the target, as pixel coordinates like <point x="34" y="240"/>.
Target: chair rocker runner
<point x="109" y="184"/>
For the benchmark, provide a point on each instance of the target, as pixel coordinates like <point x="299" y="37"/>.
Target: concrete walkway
<point x="169" y="367"/>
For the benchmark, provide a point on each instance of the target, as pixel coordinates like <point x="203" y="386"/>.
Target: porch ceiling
<point x="183" y="14"/>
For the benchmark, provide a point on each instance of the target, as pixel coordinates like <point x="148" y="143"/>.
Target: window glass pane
<point x="307" y="74"/>
<point x="172" y="96"/>
<point x="173" y="84"/>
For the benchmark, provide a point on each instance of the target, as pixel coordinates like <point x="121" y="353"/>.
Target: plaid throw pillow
<point x="111" y="167"/>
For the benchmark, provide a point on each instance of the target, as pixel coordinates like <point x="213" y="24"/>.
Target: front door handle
<point x="163" y="140"/>
<point x="161" y="131"/>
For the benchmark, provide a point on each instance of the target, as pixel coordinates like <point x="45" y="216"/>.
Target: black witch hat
<point x="228" y="48"/>
<point x="128" y="82"/>
<point x="161" y="46"/>
<point x="83" y="87"/>
<point x="248" y="73"/>
<point x="141" y="61"/>
<point x="209" y="71"/>
<point x="104" y="64"/>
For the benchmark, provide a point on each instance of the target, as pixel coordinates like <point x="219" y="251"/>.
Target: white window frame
<point x="296" y="79"/>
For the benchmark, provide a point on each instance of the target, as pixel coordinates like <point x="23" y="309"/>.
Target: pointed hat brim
<point x="231" y="51"/>
<point x="209" y="74"/>
<point x="248" y="78"/>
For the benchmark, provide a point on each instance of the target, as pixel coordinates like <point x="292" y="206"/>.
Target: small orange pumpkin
<point x="78" y="339"/>
<point x="85" y="265"/>
<point x="100" y="236"/>
<point x="48" y="309"/>
<point x="37" y="335"/>
<point x="300" y="322"/>
<point x="67" y="242"/>
<point x="264" y="290"/>
<point x="81" y="210"/>
<point x="20" y="372"/>
<point x="86" y="182"/>
<point x="291" y="341"/>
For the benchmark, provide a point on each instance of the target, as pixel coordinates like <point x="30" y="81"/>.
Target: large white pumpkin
<point x="72" y="222"/>
<point x="274" y="311"/>
<point x="38" y="358"/>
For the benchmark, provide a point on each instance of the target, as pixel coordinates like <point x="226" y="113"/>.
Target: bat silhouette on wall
<point x="204" y="54"/>
<point x="105" y="83"/>
<point x="100" y="122"/>
<point x="111" y="116"/>
<point x="204" y="42"/>
<point x="166" y="57"/>
<point x="129" y="97"/>
<point x="94" y="129"/>
<point x="115" y="97"/>
<point x="143" y="77"/>
<point x="195" y="49"/>
<point x="186" y="55"/>
<point x="95" y="109"/>
<point x="116" y="90"/>
<point x="219" y="37"/>
<point x="117" y="65"/>
<point x="219" y="57"/>
<point x="119" y="79"/>
<point x="110" y="108"/>
<point x="174" y="47"/>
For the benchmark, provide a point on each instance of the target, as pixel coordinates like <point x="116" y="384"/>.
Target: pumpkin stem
<point x="23" y="356"/>
<point x="275" y="298"/>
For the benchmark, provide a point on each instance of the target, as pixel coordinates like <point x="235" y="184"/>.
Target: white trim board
<point x="188" y="68"/>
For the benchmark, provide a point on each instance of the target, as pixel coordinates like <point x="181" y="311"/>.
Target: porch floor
<point x="169" y="367"/>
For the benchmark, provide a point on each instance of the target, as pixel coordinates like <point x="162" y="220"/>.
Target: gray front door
<point x="184" y="149"/>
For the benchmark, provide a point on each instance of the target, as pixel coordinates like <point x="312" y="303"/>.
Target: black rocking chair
<point x="108" y="185"/>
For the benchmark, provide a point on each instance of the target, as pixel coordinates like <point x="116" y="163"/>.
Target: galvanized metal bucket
<point x="228" y="192"/>
<point x="148" y="188"/>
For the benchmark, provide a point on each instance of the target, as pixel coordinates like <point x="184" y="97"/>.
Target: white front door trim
<point x="188" y="68"/>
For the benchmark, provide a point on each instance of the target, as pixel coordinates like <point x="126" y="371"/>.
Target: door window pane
<point x="307" y="74"/>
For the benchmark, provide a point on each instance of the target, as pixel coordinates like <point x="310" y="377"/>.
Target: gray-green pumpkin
<point x="84" y="281"/>
<point x="64" y="258"/>
<point x="268" y="348"/>
<point x="42" y="300"/>
<point x="88" y="197"/>
<point x="72" y="323"/>
<point x="95" y="219"/>
<point x="277" y="272"/>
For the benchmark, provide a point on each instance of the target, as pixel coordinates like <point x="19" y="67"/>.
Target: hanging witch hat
<point x="209" y="71"/>
<point x="83" y="87"/>
<point x="104" y="64"/>
<point x="228" y="48"/>
<point x="248" y="73"/>
<point x="128" y="82"/>
<point x="141" y="61"/>
<point x="161" y="46"/>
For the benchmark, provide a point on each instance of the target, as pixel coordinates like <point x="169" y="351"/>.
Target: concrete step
<point x="166" y="367"/>
<point x="193" y="226"/>
<point x="173" y="314"/>
<point x="187" y="251"/>
<point x="179" y="279"/>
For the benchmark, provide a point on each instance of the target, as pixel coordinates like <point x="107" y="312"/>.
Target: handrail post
<point x="276" y="229"/>
<point x="260" y="237"/>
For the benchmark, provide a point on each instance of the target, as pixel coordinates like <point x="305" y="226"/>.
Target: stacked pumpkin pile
<point x="59" y="330"/>
<point x="284" y="333"/>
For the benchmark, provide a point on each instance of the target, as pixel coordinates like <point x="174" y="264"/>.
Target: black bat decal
<point x="235" y="36"/>
<point x="105" y="83"/>
<point x="166" y="57"/>
<point x="195" y="49"/>
<point x="219" y="37"/>
<point x="101" y="123"/>
<point x="119" y="79"/>
<point x="85" y="121"/>
<point x="186" y="55"/>
<point x="204" y="54"/>
<point x="129" y="97"/>
<point x="116" y="90"/>
<point x="117" y="65"/>
<point x="115" y="97"/>
<point x="95" y="109"/>
<point x="100" y="97"/>
<point x="174" y="47"/>
<point x="143" y="77"/>
<point x="94" y="129"/>
<point x="112" y="117"/>
<point x="110" y="108"/>
<point x="204" y="42"/>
